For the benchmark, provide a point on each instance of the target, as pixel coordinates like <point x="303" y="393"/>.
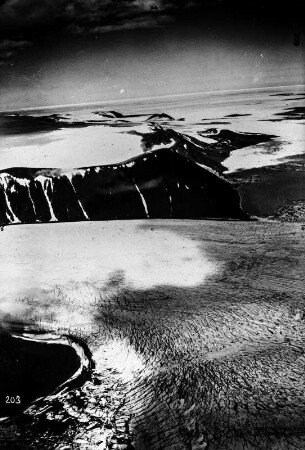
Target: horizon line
<point x="158" y="97"/>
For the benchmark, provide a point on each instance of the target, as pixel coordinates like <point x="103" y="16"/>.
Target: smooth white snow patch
<point x="78" y="147"/>
<point x="161" y="146"/>
<point x="78" y="259"/>
<point x="291" y="142"/>
<point x="119" y="356"/>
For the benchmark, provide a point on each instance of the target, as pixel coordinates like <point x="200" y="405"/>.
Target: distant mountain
<point x="237" y="115"/>
<point x="158" y="184"/>
<point x="161" y="116"/>
<point x="236" y="140"/>
<point x="109" y="114"/>
<point x="209" y="148"/>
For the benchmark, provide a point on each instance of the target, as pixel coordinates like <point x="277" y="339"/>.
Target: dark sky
<point x="73" y="51"/>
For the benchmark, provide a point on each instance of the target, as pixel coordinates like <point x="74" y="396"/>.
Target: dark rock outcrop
<point x="109" y="114"/>
<point x="210" y="149"/>
<point x="293" y="212"/>
<point x="161" y="116"/>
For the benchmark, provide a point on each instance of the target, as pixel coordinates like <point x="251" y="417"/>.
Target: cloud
<point x="131" y="24"/>
<point x="85" y="16"/>
<point x="36" y="17"/>
<point x="98" y="17"/>
<point x="9" y="47"/>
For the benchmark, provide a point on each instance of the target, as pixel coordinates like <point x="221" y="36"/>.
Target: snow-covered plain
<point x="108" y="141"/>
<point x="36" y="259"/>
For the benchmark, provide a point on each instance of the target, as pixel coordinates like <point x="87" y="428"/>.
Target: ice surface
<point x="110" y="141"/>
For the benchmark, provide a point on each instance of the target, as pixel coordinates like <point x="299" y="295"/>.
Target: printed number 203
<point x="16" y="399"/>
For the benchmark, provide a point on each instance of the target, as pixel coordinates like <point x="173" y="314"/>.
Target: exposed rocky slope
<point x="294" y="212"/>
<point x="157" y="184"/>
<point x="174" y="175"/>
